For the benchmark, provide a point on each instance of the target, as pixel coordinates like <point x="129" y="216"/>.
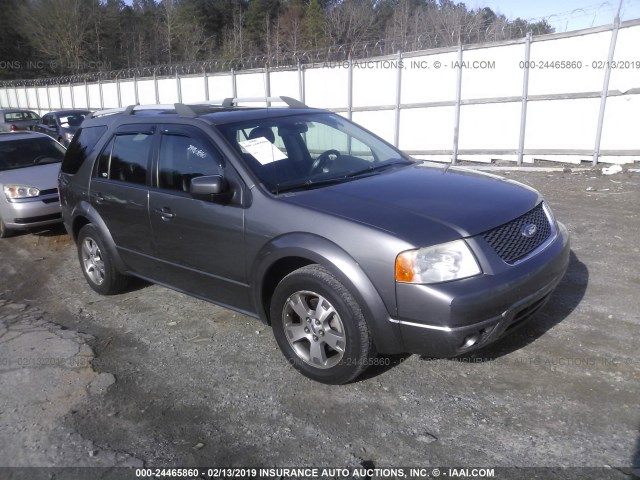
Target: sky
<point x="563" y="15"/>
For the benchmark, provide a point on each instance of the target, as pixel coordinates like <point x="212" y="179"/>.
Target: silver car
<point x="14" y="120"/>
<point x="29" y="165"/>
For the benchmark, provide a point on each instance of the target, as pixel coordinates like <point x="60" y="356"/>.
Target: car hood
<point x="424" y="204"/>
<point x="43" y="177"/>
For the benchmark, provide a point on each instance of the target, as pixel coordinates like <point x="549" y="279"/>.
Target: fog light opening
<point x="471" y="340"/>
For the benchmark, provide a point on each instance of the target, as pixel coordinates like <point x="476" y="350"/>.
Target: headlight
<point x="20" y="191"/>
<point x="439" y="263"/>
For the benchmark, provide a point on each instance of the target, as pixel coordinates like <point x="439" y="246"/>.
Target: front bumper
<point x="31" y="212"/>
<point x="448" y="319"/>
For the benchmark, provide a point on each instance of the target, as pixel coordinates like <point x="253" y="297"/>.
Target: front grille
<point x="511" y="244"/>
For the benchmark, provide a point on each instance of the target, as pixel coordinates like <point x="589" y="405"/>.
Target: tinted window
<point x="126" y="158"/>
<point x="29" y="152"/>
<point x="183" y="158"/>
<point x="80" y="147"/>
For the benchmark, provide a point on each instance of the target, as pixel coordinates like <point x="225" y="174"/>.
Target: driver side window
<point x="184" y="157"/>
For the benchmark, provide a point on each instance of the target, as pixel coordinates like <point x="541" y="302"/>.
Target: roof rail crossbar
<point x="291" y="102"/>
<point x="185" y="110"/>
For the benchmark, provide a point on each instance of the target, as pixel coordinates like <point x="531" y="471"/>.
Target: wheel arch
<point x="290" y="252"/>
<point x="85" y="214"/>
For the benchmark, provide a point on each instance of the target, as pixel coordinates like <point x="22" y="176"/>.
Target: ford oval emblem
<point x="529" y="230"/>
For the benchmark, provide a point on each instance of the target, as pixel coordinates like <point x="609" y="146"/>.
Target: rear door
<point x="199" y="244"/>
<point x="119" y="192"/>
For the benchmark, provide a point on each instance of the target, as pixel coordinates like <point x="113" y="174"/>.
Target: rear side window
<point x="81" y="146"/>
<point x="126" y="158"/>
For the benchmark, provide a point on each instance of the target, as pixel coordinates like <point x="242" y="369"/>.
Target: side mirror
<point x="211" y="187"/>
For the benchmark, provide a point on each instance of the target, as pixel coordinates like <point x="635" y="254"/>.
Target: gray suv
<point x="296" y="216"/>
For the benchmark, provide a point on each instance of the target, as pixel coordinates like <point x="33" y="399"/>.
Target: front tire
<point x="319" y="326"/>
<point x="97" y="265"/>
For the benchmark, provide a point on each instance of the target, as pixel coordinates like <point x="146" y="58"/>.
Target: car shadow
<point x="564" y="300"/>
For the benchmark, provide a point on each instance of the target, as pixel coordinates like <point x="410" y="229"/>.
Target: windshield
<point x="29" y="152"/>
<point x="309" y="150"/>
<point x="74" y="120"/>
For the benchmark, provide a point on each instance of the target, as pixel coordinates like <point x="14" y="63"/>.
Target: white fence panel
<point x="424" y="81"/>
<point x="146" y="92"/>
<point x="374" y="83"/>
<point x="41" y="92"/>
<point x="326" y="87"/>
<point x="110" y="95"/>
<point x="490" y="126"/>
<point x="32" y="98"/>
<point x="167" y="90"/>
<point x="426" y="128"/>
<point x="545" y="78"/>
<point x="379" y="122"/>
<point x="220" y="86"/>
<point x="620" y="130"/>
<point x="493" y="72"/>
<point x="286" y="83"/>
<point x="562" y="124"/>
<point x="251" y="84"/>
<point x="627" y="74"/>
<point x="94" y="96"/>
<point x="22" y="98"/>
<point x="66" y="96"/>
<point x="192" y="89"/>
<point x="127" y="92"/>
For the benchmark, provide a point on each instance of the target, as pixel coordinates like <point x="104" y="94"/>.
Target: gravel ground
<point x="153" y="377"/>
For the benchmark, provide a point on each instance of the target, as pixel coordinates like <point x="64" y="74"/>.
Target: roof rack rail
<point x="180" y="108"/>
<point x="291" y="102"/>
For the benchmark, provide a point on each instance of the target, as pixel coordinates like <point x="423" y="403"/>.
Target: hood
<point x="43" y="177"/>
<point x="424" y="204"/>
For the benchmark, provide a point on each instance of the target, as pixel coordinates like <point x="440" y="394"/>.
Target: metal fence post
<point x="234" y="86"/>
<point x="178" y="87"/>
<point x="206" y="83"/>
<point x="118" y="92"/>
<point x="605" y="84"/>
<point x="155" y="85"/>
<point x="101" y="94"/>
<point x="135" y="90"/>
<point x="37" y="100"/>
<point x="350" y="89"/>
<point x="300" y="82"/>
<point x="396" y="133"/>
<point x="456" y="121"/>
<point x="525" y="96"/>
<point x="73" y="101"/>
<point x="267" y="83"/>
<point x="60" y="95"/>
<point x="86" y="94"/>
<point x="26" y="96"/>
<point x="15" y="93"/>
<point x="48" y="97"/>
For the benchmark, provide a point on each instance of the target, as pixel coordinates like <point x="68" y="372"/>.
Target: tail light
<point x="13" y="128"/>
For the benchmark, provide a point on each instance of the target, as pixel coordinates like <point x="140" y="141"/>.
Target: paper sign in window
<point x="263" y="150"/>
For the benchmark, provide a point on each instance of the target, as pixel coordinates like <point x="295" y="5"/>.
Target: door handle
<point x="165" y="213"/>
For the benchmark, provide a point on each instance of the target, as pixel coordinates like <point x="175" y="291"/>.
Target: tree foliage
<point x="72" y="36"/>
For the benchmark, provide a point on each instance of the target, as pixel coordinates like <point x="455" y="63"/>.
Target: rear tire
<point x="320" y="327"/>
<point x="97" y="265"/>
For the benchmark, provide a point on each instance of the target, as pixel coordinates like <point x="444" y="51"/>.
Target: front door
<point x="199" y="244"/>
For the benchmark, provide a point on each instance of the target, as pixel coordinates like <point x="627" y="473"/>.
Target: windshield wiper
<point x="377" y="168"/>
<point x="308" y="184"/>
<point x="341" y="179"/>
